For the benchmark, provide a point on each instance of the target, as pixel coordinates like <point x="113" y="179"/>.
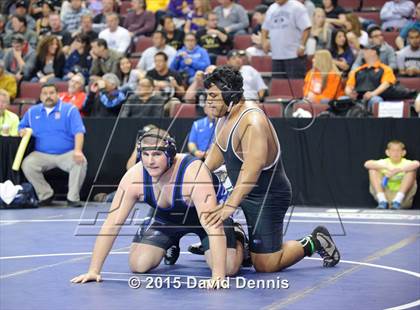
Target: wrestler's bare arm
<point x="214" y="157"/>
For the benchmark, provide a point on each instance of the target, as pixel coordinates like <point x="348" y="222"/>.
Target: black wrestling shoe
<point x="172" y="255"/>
<point x="47" y="202"/>
<point x="196" y="248"/>
<point x="241" y="236"/>
<point x="325" y="246"/>
<point x="74" y="204"/>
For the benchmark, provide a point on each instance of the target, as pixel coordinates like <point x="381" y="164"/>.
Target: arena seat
<point x="184" y="110"/>
<point x="390" y="37"/>
<point x="221" y="60"/>
<point x="249" y="5"/>
<point x="287" y="87"/>
<point x="406" y="109"/>
<point x="62" y="86"/>
<point x="15" y="108"/>
<point x="134" y="62"/>
<point x="142" y="44"/>
<point x="28" y="92"/>
<point x="25" y="107"/>
<point x="262" y="64"/>
<point x="242" y="42"/>
<point x="410" y="82"/>
<point x="314" y="108"/>
<point x="372" y="5"/>
<point x="272" y="110"/>
<point x="350" y="5"/>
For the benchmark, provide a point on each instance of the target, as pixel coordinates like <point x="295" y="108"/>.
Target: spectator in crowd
<point x="59" y="133"/>
<point x="417" y="105"/>
<point x="333" y="10"/>
<point x="258" y="19"/>
<point x="174" y="36"/>
<point x="104" y="60"/>
<point x="202" y="135"/>
<point x="324" y="81"/>
<point x="43" y="23"/>
<point x="19" y="26"/>
<point x="179" y="9"/>
<point x="21" y="11"/>
<point x="75" y="93"/>
<point x="117" y="37"/>
<point x="95" y="6"/>
<point x="340" y="50"/>
<point x="57" y="30"/>
<point x="214" y="39"/>
<point x="321" y="31"/>
<point x="232" y="17"/>
<point x="86" y="28"/>
<point x="7" y="81"/>
<point x="147" y="61"/>
<point x="99" y="21"/>
<point x="408" y="58"/>
<point x="196" y="93"/>
<point x="190" y="58"/>
<point x="145" y="102"/>
<point x="287" y="19"/>
<point x="197" y="18"/>
<point x="386" y="51"/>
<point x="20" y="59"/>
<point x="79" y="60"/>
<point x="2" y="25"/>
<point x="71" y="19"/>
<point x="393" y="179"/>
<point x="49" y="62"/>
<point x="370" y="81"/>
<point x="127" y="75"/>
<point x="396" y="13"/>
<point x="9" y="121"/>
<point x="400" y="40"/>
<point x="104" y="99"/>
<point x="167" y="83"/>
<point x="253" y="84"/>
<point x="310" y="7"/>
<point x="140" y="22"/>
<point x="356" y="36"/>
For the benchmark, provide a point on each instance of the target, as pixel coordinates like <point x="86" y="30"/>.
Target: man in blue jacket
<point x="190" y="59"/>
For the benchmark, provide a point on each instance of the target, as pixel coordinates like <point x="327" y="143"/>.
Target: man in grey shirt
<point x="386" y="51"/>
<point x="287" y="25"/>
<point x="408" y="59"/>
<point x="232" y="17"/>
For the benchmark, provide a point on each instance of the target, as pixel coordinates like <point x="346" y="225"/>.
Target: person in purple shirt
<point x="139" y="21"/>
<point x="180" y="8"/>
<point x="190" y="59"/>
<point x="59" y="135"/>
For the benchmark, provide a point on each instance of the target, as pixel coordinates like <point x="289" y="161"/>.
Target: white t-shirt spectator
<point x="285" y="24"/>
<point x="396" y="14"/>
<point x="407" y="58"/>
<point x="119" y="40"/>
<point x="253" y="82"/>
<point x="147" y="60"/>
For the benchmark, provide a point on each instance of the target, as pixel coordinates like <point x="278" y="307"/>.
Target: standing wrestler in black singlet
<point x="247" y="144"/>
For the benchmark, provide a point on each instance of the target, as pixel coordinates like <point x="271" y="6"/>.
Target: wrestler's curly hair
<point x="229" y="80"/>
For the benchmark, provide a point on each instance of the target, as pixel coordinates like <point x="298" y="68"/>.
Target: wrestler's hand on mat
<point x="87" y="277"/>
<point x="216" y="284"/>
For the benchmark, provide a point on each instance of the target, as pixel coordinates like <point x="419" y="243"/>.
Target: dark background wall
<point x="323" y="162"/>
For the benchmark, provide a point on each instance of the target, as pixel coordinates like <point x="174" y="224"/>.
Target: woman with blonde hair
<point x="321" y="30"/>
<point x="355" y="35"/>
<point x="323" y="81"/>
<point x="197" y="18"/>
<point x="50" y="61"/>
